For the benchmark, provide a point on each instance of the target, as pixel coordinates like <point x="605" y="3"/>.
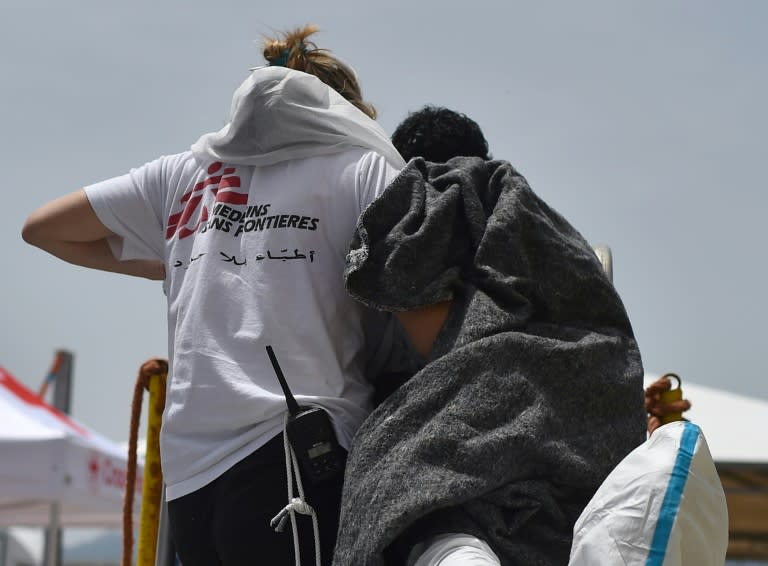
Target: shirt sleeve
<point x="374" y="174"/>
<point x="131" y="206"/>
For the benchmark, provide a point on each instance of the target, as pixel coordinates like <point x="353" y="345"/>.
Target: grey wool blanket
<point x="533" y="391"/>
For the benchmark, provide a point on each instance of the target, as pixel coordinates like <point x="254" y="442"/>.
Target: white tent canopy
<point x="47" y="457"/>
<point x="734" y="425"/>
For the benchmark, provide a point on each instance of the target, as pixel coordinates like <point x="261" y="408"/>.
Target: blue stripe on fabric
<point x="673" y="495"/>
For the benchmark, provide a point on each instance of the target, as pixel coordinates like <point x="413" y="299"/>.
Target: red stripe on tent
<point x="30" y="398"/>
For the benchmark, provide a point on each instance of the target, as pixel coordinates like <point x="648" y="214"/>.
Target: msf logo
<point x="221" y="184"/>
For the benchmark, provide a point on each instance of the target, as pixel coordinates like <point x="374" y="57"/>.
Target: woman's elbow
<point x="66" y="219"/>
<point x="33" y="231"/>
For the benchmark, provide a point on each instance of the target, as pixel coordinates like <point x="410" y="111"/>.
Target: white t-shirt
<point x="254" y="256"/>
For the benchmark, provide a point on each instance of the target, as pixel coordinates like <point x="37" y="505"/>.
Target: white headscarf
<point x="280" y="114"/>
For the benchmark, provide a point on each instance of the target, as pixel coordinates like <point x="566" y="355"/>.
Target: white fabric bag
<point x="663" y="505"/>
<point x="455" y="549"/>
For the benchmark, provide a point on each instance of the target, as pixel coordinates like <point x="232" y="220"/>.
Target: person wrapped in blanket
<point x="530" y="387"/>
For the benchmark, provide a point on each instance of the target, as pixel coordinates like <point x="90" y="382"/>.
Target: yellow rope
<point x="152" y="377"/>
<point x="153" y="475"/>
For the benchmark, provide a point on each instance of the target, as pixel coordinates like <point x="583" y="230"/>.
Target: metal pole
<point x="53" y="537"/>
<point x="62" y="384"/>
<point x="62" y="400"/>
<point x="3" y="548"/>
<point x="166" y="553"/>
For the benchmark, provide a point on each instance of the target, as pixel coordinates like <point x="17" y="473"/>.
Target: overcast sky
<point x="644" y="123"/>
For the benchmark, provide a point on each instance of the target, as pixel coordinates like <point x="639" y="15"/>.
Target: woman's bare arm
<point x="69" y="229"/>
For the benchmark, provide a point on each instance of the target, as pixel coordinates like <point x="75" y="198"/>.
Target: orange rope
<point x="147" y="370"/>
<point x="55" y="368"/>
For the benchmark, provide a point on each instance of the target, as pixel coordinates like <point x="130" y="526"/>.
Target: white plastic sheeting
<point x="663" y="505"/>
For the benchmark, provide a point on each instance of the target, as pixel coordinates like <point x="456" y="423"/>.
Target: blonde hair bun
<point x="292" y="49"/>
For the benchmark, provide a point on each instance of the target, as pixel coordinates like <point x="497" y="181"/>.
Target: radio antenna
<point x="293" y="406"/>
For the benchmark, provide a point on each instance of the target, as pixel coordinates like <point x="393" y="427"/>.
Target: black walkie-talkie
<point x="311" y="435"/>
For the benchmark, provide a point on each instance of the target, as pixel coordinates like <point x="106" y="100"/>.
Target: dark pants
<point x="227" y="521"/>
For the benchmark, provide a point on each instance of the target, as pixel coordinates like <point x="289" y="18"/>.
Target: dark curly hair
<point x="437" y="134"/>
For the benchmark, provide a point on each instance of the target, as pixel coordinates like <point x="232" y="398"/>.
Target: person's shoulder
<point x="180" y="160"/>
<point x="346" y="162"/>
<point x="168" y="163"/>
<point x="359" y="155"/>
<point x="372" y="164"/>
<point x="183" y="166"/>
<point x="347" y="156"/>
<point x="354" y="167"/>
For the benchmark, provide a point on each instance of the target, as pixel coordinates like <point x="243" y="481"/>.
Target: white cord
<point x="295" y="504"/>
